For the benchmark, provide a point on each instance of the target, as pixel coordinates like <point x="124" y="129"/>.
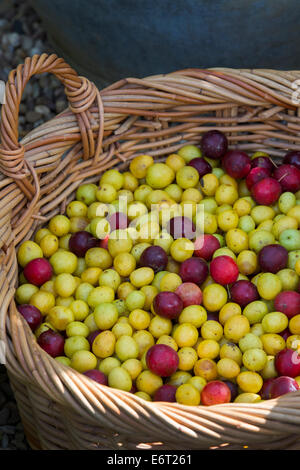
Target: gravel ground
<point x="22" y="35"/>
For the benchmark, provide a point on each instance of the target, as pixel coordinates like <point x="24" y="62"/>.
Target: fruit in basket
<point x="31" y="314"/>
<point x="126" y="348"/>
<point x="43" y="300"/>
<point x="236" y="163"/>
<point x="254" y="359"/>
<point x="214" y="144"/>
<point x="139" y="165"/>
<point x="266" y="191"/>
<point x="159" y="175"/>
<point x="265" y="391"/>
<point x="166" y="392"/>
<point x="206" y="245"/>
<point x="287" y="362"/>
<point x="187" y="177"/>
<point x="286" y="202"/>
<point x="292" y="158"/>
<point x="288" y="176"/>
<point x="162" y="360"/>
<point x="196" y="297"/>
<point x="86" y="193"/>
<point x="189" y="293"/>
<point x="285" y="334"/>
<point x="194" y="315"/>
<point x="235" y="328"/>
<point x="281" y="386"/>
<point x="187" y="394"/>
<point x="117" y="220"/>
<point x="268" y="285"/>
<point x="154" y="257"/>
<point x="38" y="271"/>
<point x="214" y="297"/>
<point x="256" y="174"/>
<point x="113" y="177"/>
<point x="215" y="393"/>
<point x="51" y="342"/>
<point x="224" y="270"/>
<point x="288" y="302"/>
<point x="193" y="270"/>
<point x="272" y="258"/>
<point x="233" y="389"/>
<point x="63" y="261"/>
<point x="201" y="165"/>
<point x="243" y="292"/>
<point x="59" y="225"/>
<point x="181" y="227"/>
<point x="263" y="162"/>
<point x="28" y="251"/>
<point x="96" y="375"/>
<point x="290" y="239"/>
<point x="167" y="304"/>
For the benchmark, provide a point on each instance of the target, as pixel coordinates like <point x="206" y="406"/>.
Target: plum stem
<point x="274" y="163"/>
<point x="283" y="176"/>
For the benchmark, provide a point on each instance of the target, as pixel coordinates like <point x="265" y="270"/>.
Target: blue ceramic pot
<point x="110" y="39"/>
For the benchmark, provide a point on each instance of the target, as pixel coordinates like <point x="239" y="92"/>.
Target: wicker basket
<point x="60" y="408"/>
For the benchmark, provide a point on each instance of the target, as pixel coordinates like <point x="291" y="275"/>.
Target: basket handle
<point x="81" y="94"/>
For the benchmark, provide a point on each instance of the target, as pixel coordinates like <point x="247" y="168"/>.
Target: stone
<point x="42" y="109"/>
<point x="2" y="396"/>
<point x="60" y="105"/>
<point x="14" y="39"/>
<point x="4" y="415"/>
<point x="4" y="441"/>
<point x="32" y="116"/>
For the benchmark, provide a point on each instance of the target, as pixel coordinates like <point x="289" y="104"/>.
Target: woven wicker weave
<point x="60" y="408"/>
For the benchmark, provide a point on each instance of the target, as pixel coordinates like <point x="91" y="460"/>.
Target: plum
<point x="162" y="360"/>
<point x="215" y="393"/>
<point x="282" y="385"/>
<point x="52" y="342"/>
<point x="38" y="271"/>
<point x="165" y="393"/>
<point x="292" y="158"/>
<point x="201" y="165"/>
<point x="82" y="241"/>
<point x="266" y="191"/>
<point x="214" y="144"/>
<point x="167" y="304"/>
<point x="97" y="375"/>
<point x="154" y="257"/>
<point x="236" y="163"/>
<point x="181" y="227"/>
<point x="224" y="270"/>
<point x="272" y="258"/>
<point x="194" y="270"/>
<point x="287" y="362"/>
<point x="206" y="245"/>
<point x="243" y="292"/>
<point x="190" y="294"/>
<point x="289" y="177"/>
<point x="288" y="302"/>
<point x="31" y="314"/>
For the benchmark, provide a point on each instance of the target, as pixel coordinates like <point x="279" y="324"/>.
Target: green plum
<point x="286" y="201"/>
<point x="293" y="258"/>
<point x="246" y="223"/>
<point x="290" y="239"/>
